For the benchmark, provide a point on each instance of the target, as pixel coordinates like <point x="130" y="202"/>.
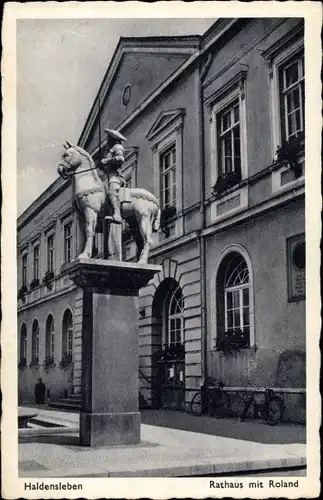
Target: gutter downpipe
<point x="203" y="69"/>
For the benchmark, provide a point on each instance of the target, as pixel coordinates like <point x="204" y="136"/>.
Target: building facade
<point x="215" y="129"/>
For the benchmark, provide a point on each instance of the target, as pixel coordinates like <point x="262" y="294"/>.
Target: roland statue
<point x="137" y="206"/>
<point x="111" y="165"/>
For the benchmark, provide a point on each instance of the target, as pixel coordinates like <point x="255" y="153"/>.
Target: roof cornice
<point x="185" y="45"/>
<point x="143" y="105"/>
<point x="58" y="186"/>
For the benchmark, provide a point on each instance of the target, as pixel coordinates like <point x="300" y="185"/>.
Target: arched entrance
<point x="169" y="357"/>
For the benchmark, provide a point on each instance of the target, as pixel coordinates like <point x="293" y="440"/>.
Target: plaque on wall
<point x="296" y="262"/>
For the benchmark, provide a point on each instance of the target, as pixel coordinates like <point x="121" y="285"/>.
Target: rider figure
<point x="111" y="165"/>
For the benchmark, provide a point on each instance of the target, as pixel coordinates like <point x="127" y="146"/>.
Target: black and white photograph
<point x="160" y="250"/>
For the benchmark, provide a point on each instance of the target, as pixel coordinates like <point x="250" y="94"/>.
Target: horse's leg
<point x="81" y="232"/>
<point x="139" y="241"/>
<point x="90" y="224"/>
<point x="145" y="231"/>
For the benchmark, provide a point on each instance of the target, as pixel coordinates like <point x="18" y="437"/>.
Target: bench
<point x="24" y="416"/>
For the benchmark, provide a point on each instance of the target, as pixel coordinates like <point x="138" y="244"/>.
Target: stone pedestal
<point x="110" y="379"/>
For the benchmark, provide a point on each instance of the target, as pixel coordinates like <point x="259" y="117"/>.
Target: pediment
<point x="139" y="67"/>
<point x="164" y="119"/>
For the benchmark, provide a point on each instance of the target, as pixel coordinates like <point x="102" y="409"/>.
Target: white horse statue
<point x="141" y="210"/>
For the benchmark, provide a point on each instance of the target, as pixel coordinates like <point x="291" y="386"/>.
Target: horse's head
<point x="70" y="160"/>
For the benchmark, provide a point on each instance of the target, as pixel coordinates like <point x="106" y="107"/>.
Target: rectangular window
<point x="36" y="262"/>
<point x="237" y="309"/>
<point x="70" y="340"/>
<point x="168" y="177"/>
<point x="50" y="253"/>
<point x="24" y="269"/>
<point x="292" y="97"/>
<point x="228" y="139"/>
<point x="68" y="242"/>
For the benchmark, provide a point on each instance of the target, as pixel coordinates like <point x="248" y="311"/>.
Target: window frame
<point x="24" y="269"/>
<point x="36" y="261"/>
<point x="235" y="95"/>
<point x="276" y="60"/>
<point x="23" y="343"/>
<point x="48" y="237"/>
<point x="284" y="92"/>
<point x="35" y="341"/>
<point x="50" y="338"/>
<point x="214" y="333"/>
<point x="67" y="333"/>
<point x="171" y="170"/>
<point x="162" y="136"/>
<point x="67" y="224"/>
<point x="231" y="289"/>
<point x="275" y="64"/>
<point x="228" y="133"/>
<point x="168" y="317"/>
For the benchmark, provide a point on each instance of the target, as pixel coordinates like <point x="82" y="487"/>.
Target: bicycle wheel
<point x="196" y="404"/>
<point x="274" y="411"/>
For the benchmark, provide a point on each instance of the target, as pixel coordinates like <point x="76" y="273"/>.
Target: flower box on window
<point x="289" y="153"/>
<point x="233" y="340"/>
<point x="48" y="278"/>
<point x="171" y="352"/>
<point x="22" y="363"/>
<point x="167" y="216"/>
<point x="226" y="181"/>
<point x="34" y="362"/>
<point x="34" y="284"/>
<point x="66" y="360"/>
<point x="22" y="292"/>
<point x="49" y="361"/>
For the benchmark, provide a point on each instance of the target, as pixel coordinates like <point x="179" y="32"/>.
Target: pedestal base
<point x="110" y="361"/>
<point x="107" y="429"/>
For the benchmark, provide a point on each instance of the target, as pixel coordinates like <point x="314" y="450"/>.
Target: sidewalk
<point x="163" y="452"/>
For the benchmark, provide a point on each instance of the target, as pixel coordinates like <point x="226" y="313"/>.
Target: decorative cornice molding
<point x="23" y="248"/>
<point x="237" y="81"/>
<point x="67" y="213"/>
<point x="35" y="238"/>
<point x="271" y="52"/>
<point x="164" y="120"/>
<point x="50" y="226"/>
<point x="244" y="51"/>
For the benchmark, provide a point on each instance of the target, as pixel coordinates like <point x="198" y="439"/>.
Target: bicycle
<point x="271" y="409"/>
<point x="210" y="399"/>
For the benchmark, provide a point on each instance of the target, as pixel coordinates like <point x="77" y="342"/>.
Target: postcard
<point x="160" y="249"/>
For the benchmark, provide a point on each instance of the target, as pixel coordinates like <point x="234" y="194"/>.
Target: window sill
<point x="277" y="186"/>
<point x="217" y="196"/>
<point x="222" y="352"/>
<point x="229" y="202"/>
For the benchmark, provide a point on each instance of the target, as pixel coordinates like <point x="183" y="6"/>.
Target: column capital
<point x="114" y="277"/>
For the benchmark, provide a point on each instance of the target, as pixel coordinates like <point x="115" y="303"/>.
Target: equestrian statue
<point x="110" y="197"/>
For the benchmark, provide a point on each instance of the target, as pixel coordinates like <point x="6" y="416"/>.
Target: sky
<point x="60" y="66"/>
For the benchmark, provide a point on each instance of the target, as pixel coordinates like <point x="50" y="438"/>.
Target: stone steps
<point x="73" y="402"/>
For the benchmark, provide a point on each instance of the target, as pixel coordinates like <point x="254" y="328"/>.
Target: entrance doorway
<point x="169" y="357"/>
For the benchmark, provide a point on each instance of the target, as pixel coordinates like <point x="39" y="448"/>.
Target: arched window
<point x="50" y="338"/>
<point x="35" y="342"/>
<point x="233" y="302"/>
<point x="67" y="338"/>
<point x="23" y="345"/>
<point x="174" y="318"/>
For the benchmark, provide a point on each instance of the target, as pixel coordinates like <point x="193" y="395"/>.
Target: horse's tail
<point x="156" y="222"/>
